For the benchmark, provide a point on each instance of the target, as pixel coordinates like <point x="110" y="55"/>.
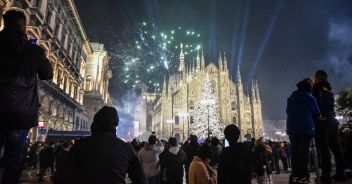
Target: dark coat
<point x="302" y="110"/>
<point x="46" y="157"/>
<point x="261" y="159"/>
<point x="216" y="151"/>
<point x="324" y="96"/>
<point x="191" y="150"/>
<point x="102" y="158"/>
<point x="21" y="63"/>
<point x="173" y="166"/>
<point x="60" y="166"/>
<point x="235" y="164"/>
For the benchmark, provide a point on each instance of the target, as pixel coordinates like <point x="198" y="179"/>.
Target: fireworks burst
<point x="152" y="54"/>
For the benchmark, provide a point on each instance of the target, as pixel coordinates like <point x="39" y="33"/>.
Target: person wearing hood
<point x="173" y="160"/>
<point x="302" y="110"/>
<point x="327" y="128"/>
<point x="21" y="64"/>
<point x="102" y="157"/>
<point x="149" y="156"/>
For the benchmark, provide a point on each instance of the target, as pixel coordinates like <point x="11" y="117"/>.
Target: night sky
<point x="277" y="42"/>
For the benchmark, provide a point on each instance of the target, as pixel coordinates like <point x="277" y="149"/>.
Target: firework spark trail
<point x="142" y="59"/>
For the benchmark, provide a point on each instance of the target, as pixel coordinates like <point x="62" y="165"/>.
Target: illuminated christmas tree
<point x="206" y="114"/>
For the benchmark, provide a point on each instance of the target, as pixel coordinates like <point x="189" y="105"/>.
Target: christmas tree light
<point x="206" y="114"/>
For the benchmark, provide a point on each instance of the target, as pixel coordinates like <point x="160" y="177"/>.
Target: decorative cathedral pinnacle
<point x="202" y="61"/>
<point x="253" y="92"/>
<point x="193" y="66"/>
<point x="239" y="76"/>
<point x="182" y="60"/>
<point x="225" y="62"/>
<point x="169" y="87"/>
<point x="164" y="86"/>
<point x="198" y="61"/>
<point x="257" y="91"/>
<point x="220" y="62"/>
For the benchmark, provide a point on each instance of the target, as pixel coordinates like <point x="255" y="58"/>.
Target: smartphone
<point x="33" y="41"/>
<point x="226" y="143"/>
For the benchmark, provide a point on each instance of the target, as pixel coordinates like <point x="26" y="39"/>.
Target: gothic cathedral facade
<point x="171" y="112"/>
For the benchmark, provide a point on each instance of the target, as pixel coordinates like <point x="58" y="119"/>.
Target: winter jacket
<point x="261" y="159"/>
<point x="60" y="166"/>
<point x="102" y="158"/>
<point x="200" y="173"/>
<point x="173" y="165"/>
<point x="216" y="151"/>
<point x="302" y="110"/>
<point x="324" y="96"/>
<point x="21" y="63"/>
<point x="46" y="157"/>
<point x="235" y="164"/>
<point x="149" y="156"/>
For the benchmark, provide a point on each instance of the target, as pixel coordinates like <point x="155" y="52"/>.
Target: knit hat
<point x="105" y="120"/>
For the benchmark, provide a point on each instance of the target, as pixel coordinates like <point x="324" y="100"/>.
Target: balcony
<point x="58" y="93"/>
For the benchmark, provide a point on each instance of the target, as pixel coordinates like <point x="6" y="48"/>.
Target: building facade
<point x="96" y="85"/>
<point x="59" y="31"/>
<point x="171" y="112"/>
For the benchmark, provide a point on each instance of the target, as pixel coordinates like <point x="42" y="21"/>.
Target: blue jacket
<point x="302" y="109"/>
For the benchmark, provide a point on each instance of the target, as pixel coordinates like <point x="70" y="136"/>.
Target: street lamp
<point x="208" y="102"/>
<point x="183" y="115"/>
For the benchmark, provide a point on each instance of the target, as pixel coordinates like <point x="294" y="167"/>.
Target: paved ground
<point x="29" y="177"/>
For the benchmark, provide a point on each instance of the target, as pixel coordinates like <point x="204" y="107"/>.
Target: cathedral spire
<point x="225" y="62"/>
<point x="257" y="91"/>
<point x="182" y="60"/>
<point x="253" y="92"/>
<point x="202" y="61"/>
<point x="169" y="87"/>
<point x="239" y="80"/>
<point x="198" y="61"/>
<point x="193" y="66"/>
<point x="220" y="62"/>
<point x="164" y="92"/>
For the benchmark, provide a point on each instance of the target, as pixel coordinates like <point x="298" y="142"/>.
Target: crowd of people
<point x="169" y="161"/>
<point x="105" y="158"/>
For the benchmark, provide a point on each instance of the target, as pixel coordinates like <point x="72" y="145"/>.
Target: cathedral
<point x="171" y="113"/>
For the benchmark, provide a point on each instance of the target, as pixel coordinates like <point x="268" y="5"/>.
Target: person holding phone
<point x="235" y="161"/>
<point x="22" y="64"/>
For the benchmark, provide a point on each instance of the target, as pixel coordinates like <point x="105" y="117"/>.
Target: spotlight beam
<point x="212" y="29"/>
<point x="266" y="37"/>
<point x="234" y="40"/>
<point x="243" y="33"/>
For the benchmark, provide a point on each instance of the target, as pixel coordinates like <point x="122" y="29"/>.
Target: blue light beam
<point x="266" y="37"/>
<point x="243" y="33"/>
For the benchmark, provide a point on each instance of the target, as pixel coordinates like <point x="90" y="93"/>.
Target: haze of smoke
<point x="339" y="55"/>
<point x="131" y="107"/>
